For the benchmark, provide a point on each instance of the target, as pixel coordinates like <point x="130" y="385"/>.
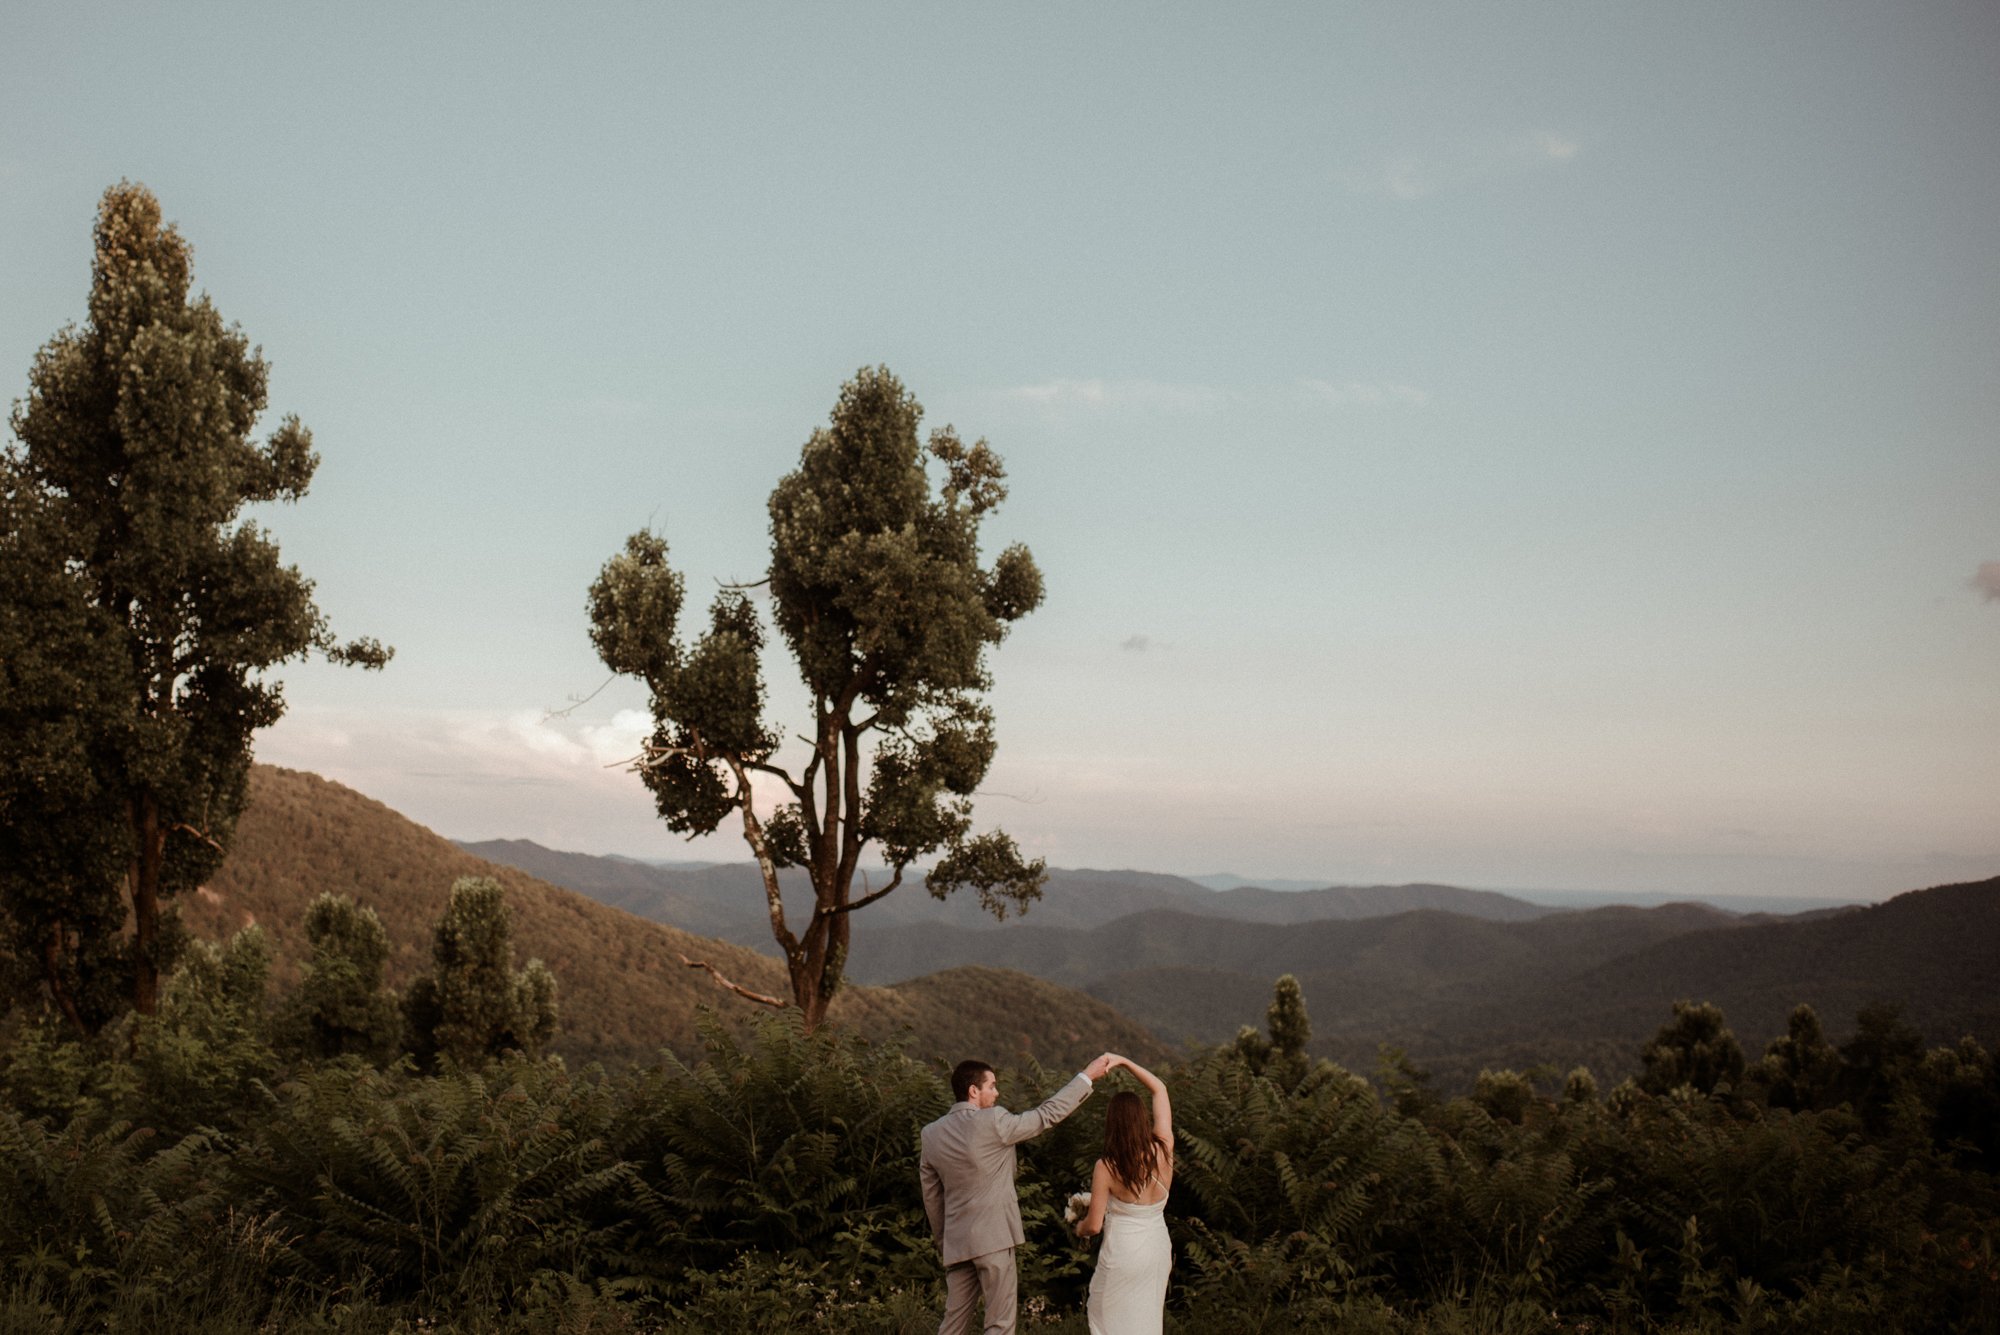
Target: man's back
<point x="968" y="1167"/>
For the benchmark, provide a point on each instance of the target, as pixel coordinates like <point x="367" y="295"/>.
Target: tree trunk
<point x="52" y="953"/>
<point x="144" y="879"/>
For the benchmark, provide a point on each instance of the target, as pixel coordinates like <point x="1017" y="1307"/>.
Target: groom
<point x="968" y="1178"/>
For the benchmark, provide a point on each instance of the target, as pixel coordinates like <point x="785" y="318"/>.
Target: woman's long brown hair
<point x="1130" y="1146"/>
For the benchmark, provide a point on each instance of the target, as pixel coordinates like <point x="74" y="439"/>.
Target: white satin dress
<point x="1128" y="1294"/>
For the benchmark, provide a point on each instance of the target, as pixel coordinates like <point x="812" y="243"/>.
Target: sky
<point x="1530" y="446"/>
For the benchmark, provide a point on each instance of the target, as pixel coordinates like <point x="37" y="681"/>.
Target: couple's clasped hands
<point x="1104" y="1065"/>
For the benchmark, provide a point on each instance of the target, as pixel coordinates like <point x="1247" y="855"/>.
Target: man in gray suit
<point x="967" y="1170"/>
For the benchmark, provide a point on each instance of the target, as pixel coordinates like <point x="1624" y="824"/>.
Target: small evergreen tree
<point x="1800" y="1070"/>
<point x="1290" y="1029"/>
<point x="1695" y="1048"/>
<point x="1505" y="1095"/>
<point x="1879" y="1065"/>
<point x="1282" y="1054"/>
<point x="341" y="1008"/>
<point x="1580" y="1087"/>
<point x="473" y="1005"/>
<point x="1252" y="1048"/>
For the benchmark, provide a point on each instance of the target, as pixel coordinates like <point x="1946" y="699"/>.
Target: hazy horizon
<point x="1570" y="897"/>
<point x="1526" y="446"/>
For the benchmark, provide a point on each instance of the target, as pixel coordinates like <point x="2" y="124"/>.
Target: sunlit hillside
<point x="625" y="990"/>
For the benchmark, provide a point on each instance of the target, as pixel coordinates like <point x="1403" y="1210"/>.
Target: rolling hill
<point x="1458" y="979"/>
<point x="727" y="900"/>
<point x="625" y="990"/>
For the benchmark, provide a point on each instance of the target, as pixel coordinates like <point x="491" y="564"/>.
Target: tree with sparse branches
<point x="877" y="586"/>
<point x="139" y="616"/>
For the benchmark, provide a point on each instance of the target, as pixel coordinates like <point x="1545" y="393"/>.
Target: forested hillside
<point x="625" y="990"/>
<point x="1511" y="985"/>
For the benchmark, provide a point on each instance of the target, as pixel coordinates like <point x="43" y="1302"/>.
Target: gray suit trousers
<point x="990" y="1276"/>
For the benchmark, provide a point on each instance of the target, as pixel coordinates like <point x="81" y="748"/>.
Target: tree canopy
<point x="139" y="616"/>
<point x="877" y="587"/>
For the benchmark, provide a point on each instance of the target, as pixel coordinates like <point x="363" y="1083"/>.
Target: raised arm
<point x="1163" y="1108"/>
<point x="1017" y="1127"/>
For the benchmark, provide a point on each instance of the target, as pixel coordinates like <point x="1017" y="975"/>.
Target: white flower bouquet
<point x="1077" y="1207"/>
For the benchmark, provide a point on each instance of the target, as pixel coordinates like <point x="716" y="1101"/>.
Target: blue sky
<point x="1542" y="446"/>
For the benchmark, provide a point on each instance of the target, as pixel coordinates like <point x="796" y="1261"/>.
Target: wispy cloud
<point x="1364" y="394"/>
<point x="1413" y="176"/>
<point x="1986" y="579"/>
<point x="1137" y="644"/>
<point x="1144" y="395"/>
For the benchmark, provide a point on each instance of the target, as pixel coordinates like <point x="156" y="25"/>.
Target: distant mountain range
<point x="625" y="991"/>
<point x="1460" y="979"/>
<point x="727" y="899"/>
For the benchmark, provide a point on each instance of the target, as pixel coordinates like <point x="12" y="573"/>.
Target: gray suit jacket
<point x="967" y="1170"/>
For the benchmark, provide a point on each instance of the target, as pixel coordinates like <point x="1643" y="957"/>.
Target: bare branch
<point x="871" y="897"/>
<point x="762" y="767"/>
<point x="741" y="584"/>
<point x="575" y="703"/>
<point x="202" y="835"/>
<point x="1033" y="800"/>
<point x="753" y="835"/>
<point x="728" y="986"/>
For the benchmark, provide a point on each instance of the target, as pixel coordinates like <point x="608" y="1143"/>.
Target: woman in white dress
<point x="1128" y="1202"/>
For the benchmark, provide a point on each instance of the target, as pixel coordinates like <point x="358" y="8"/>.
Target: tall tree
<point x="139" y="614"/>
<point x="876" y="585"/>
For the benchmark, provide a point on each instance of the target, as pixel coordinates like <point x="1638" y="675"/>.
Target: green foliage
<point x="877" y="588"/>
<point x="801" y="1144"/>
<point x="457" y="1188"/>
<point x="772" y="1184"/>
<point x="1281" y="1055"/>
<point x="341" y="1007"/>
<point x="139" y="614"/>
<point x="1799" y="1070"/>
<point x="1694" y="1049"/>
<point x="202" y="1059"/>
<point x="1504" y="1096"/>
<point x="473" y="1005"/>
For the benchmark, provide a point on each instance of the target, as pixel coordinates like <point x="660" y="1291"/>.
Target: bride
<point x="1128" y="1201"/>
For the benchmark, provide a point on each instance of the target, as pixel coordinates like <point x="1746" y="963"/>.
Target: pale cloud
<point x="477" y="774"/>
<point x="1137" y="644"/>
<point x="1364" y="394"/>
<point x="1986" y="579"/>
<point x="1113" y="395"/>
<point x="1410" y="176"/>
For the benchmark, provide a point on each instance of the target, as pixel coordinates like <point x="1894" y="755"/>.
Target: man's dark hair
<point x="967" y="1076"/>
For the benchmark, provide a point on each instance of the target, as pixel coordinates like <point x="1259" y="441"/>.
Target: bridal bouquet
<point x="1077" y="1207"/>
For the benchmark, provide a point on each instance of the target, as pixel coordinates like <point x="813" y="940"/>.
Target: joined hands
<point x="1103" y="1065"/>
